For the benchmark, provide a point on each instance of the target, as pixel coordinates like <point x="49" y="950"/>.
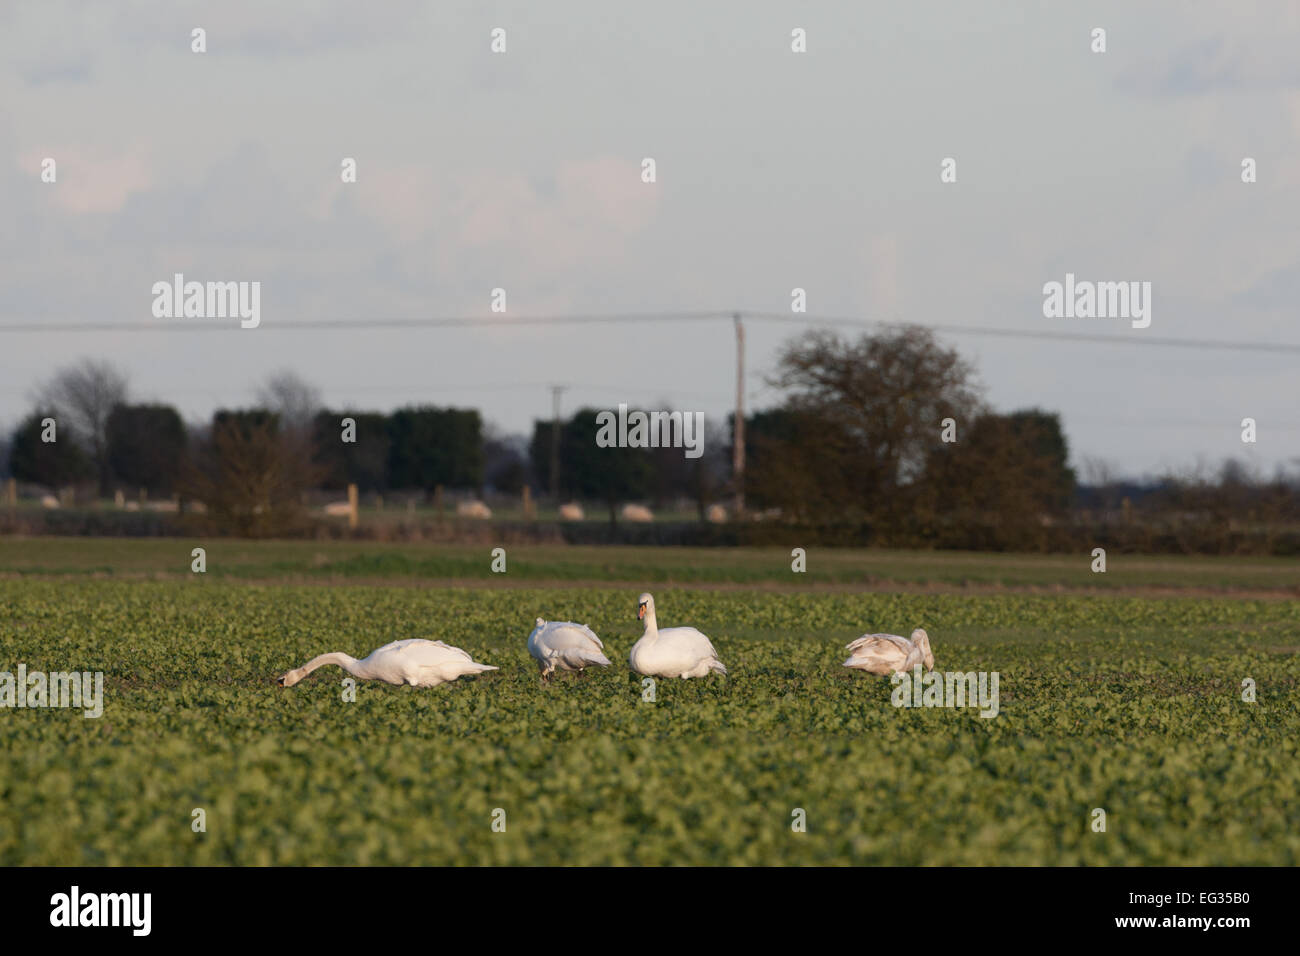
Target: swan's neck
<point x="651" y="627"/>
<point x="350" y="664"/>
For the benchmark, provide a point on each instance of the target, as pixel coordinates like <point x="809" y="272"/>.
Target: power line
<point x="655" y="390"/>
<point x="1094" y="337"/>
<point x="501" y="321"/>
<point x="455" y="321"/>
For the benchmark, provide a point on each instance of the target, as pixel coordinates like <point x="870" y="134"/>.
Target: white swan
<point x="563" y="644"/>
<point x="417" y="662"/>
<point x="885" y="653"/>
<point x="672" y="652"/>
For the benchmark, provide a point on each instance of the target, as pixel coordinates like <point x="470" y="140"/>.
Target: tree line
<point x="887" y="434"/>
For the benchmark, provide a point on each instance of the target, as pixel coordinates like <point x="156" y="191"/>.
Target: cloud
<point x="1276" y="289"/>
<point x="91" y="180"/>
<point x="50" y="71"/>
<point x="258" y="29"/>
<point x="1218" y="64"/>
<point x="240" y="201"/>
<point x="585" y="211"/>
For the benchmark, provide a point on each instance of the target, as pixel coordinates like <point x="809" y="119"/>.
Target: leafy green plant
<point x="1128" y="704"/>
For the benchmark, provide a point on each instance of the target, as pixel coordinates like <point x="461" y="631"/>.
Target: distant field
<point x="616" y="566"/>
<point x="1125" y="704"/>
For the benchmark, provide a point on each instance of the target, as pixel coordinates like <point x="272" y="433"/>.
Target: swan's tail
<point x="717" y="665"/>
<point x="577" y="658"/>
<point x="474" y="667"/>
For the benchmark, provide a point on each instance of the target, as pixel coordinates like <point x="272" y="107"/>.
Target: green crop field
<point x="357" y="561"/>
<point x="1126" y="702"/>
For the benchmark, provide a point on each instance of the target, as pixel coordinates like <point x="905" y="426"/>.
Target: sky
<point x="775" y="170"/>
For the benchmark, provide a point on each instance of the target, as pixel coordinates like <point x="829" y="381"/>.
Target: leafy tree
<point x="1003" y="478"/>
<point x="363" y="462"/>
<point x="505" y="462"/>
<point x="539" y="455"/>
<point x="1042" y="434"/>
<point x="435" y="446"/>
<point x="773" y="478"/>
<point x="146" y="446"/>
<point x="52" y="464"/>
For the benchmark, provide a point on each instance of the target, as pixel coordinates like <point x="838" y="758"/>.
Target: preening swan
<point x="672" y="652"/>
<point x="417" y="662"/>
<point x="886" y="653"/>
<point x="568" y="646"/>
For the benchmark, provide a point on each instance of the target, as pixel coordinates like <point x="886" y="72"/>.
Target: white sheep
<point x="571" y="512"/>
<point x="473" y="509"/>
<point x="637" y="513"/>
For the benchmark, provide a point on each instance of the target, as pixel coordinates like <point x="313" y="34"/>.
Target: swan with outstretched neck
<point x="416" y="661"/>
<point x="672" y="652"/>
<point x="886" y="653"/>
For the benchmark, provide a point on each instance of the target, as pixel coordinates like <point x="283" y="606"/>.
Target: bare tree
<point x="249" y="478"/>
<point x="857" y="421"/>
<point x="295" y="404"/>
<point x="82" y="397"/>
<point x="294" y="401"/>
<point x="888" y="392"/>
<point x="1098" y="472"/>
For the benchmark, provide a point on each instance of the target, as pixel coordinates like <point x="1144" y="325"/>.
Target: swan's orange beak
<point x="640" y="613"/>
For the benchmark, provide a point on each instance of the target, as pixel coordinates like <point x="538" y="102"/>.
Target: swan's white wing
<point x="689" y="640"/>
<point x="433" y="651"/>
<point x="561" y="634"/>
<point x="591" y="634"/>
<point x="581" y="629"/>
<point x="902" y="643"/>
<point x="393" y="647"/>
<point x="874" y="661"/>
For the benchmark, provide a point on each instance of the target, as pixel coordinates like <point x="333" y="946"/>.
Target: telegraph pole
<point x="738" y="442"/>
<point x="555" y="442"/>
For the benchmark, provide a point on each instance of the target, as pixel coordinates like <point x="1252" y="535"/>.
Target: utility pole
<point x="555" y="442"/>
<point x="738" y="442"/>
